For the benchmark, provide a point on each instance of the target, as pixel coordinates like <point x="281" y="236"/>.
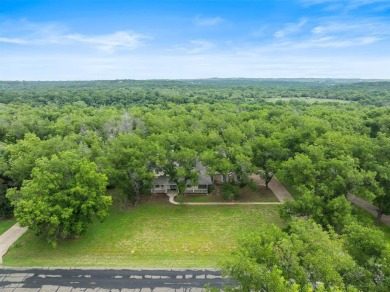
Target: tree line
<point x="205" y="91"/>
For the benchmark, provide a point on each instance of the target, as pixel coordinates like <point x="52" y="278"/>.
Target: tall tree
<point x="181" y="167"/>
<point x="381" y="164"/>
<point x="21" y="157"/>
<point x="370" y="250"/>
<point x="305" y="258"/>
<point x="62" y="197"/>
<point x="268" y="154"/>
<point x="131" y="164"/>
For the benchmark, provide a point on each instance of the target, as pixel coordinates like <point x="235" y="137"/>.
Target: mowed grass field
<point x="153" y="234"/>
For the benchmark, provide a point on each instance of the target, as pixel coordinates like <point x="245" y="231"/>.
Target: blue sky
<point x="85" y="39"/>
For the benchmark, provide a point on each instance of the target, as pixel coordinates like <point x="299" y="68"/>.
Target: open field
<point x="154" y="234"/>
<point x="6" y="224"/>
<point x="261" y="194"/>
<point x="308" y="100"/>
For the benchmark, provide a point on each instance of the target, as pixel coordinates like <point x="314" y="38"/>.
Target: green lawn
<point x="154" y="234"/>
<point x="261" y="194"/>
<point x="308" y="100"/>
<point x="5" y="224"/>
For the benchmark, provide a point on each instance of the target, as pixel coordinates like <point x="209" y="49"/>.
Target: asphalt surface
<point x="72" y="280"/>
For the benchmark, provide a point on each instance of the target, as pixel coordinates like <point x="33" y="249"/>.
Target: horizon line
<point x="204" y="78"/>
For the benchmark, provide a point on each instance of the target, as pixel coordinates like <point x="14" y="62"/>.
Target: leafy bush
<point x="230" y="191"/>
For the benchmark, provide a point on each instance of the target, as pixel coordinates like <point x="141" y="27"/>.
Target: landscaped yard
<point x="5" y="224"/>
<point x="153" y="234"/>
<point x="261" y="194"/>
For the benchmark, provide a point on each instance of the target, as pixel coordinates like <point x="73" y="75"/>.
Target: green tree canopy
<point x="301" y="259"/>
<point x="62" y="197"/>
<point x="131" y="162"/>
<point x="381" y="164"/>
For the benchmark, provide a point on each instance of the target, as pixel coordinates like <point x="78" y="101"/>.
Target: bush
<point x="230" y="191"/>
<point x="252" y="185"/>
<point x="248" y="183"/>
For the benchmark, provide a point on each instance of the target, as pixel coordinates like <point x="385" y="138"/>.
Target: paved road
<point x="72" y="280"/>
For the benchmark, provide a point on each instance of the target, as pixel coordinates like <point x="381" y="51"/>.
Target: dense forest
<point x="63" y="143"/>
<point x="132" y="92"/>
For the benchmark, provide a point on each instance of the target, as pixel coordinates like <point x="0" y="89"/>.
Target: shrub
<point x="230" y="191"/>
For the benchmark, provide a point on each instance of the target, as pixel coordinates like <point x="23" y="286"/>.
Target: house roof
<point x="203" y="177"/>
<point x="163" y="180"/>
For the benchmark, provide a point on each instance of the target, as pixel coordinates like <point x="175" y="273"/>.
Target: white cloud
<point x="16" y="41"/>
<point x="333" y="42"/>
<point x="200" y="46"/>
<point x="329" y="32"/>
<point x="110" y="42"/>
<point x="261" y="31"/>
<point x="346" y="26"/>
<point x="32" y="33"/>
<point x="290" y="28"/>
<point x="208" y="21"/>
<point x="353" y="4"/>
<point x="311" y="44"/>
<point x="27" y="33"/>
<point x="347" y="4"/>
<point x="348" y="33"/>
<point x="194" y="47"/>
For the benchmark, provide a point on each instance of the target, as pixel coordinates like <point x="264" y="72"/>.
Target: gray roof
<point x="203" y="177"/>
<point x="163" y="180"/>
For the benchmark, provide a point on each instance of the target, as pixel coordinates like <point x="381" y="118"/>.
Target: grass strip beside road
<point x="261" y="194"/>
<point x="154" y="234"/>
<point x="6" y="224"/>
